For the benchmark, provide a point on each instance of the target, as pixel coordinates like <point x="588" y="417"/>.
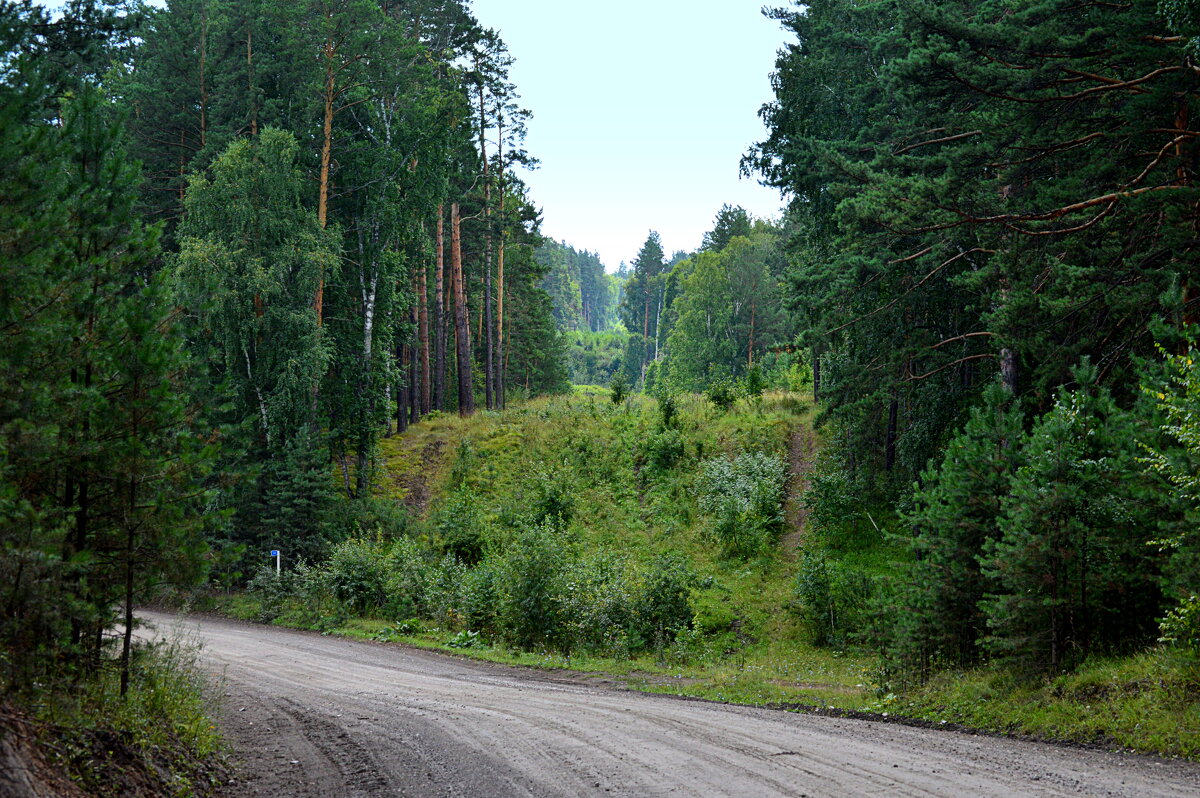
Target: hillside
<point x="630" y="490"/>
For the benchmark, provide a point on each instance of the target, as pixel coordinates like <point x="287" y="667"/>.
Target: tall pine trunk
<point x="501" y="364"/>
<point x="439" y="315"/>
<point x="326" y="157"/>
<point x="423" y="335"/>
<point x="462" y="327"/>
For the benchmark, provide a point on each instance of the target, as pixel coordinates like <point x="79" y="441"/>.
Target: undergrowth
<point x="158" y="739"/>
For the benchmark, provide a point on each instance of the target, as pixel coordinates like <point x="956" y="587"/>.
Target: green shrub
<point x="668" y="410"/>
<point x="722" y="393"/>
<point x="460" y="527"/>
<point x="1181" y="628"/>
<point x="835" y="600"/>
<point x="444" y="587"/>
<point x="480" y="598"/>
<point x="407" y="575"/>
<point x="358" y="573"/>
<point x="529" y="586"/>
<point x="660" y="451"/>
<point x="551" y="499"/>
<point x="598" y="605"/>
<point x="619" y="387"/>
<point x="745" y="497"/>
<point x="663" y="606"/>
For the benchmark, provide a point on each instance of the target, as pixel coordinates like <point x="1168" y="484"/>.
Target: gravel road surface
<point x="320" y="716"/>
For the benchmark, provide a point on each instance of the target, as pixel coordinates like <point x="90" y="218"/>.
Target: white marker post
<point x="275" y="554"/>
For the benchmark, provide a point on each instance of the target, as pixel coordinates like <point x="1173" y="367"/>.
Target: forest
<point x="272" y="281"/>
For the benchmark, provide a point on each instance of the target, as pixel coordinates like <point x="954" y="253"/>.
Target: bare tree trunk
<point x="489" y="342"/>
<point x="326" y="154"/>
<point x="1008" y="370"/>
<point x="401" y="393"/>
<point x="414" y="376"/>
<point x="501" y="351"/>
<point x="485" y="312"/>
<point x="423" y="335"/>
<point x="462" y="327"/>
<point x="501" y="362"/>
<point x="439" y="316"/>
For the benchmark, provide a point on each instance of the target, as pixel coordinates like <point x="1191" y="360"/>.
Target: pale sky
<point x="641" y="113"/>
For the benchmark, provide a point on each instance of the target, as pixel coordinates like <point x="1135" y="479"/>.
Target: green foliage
<point x="1179" y="399"/>
<point x="99" y="460"/>
<point x="722" y="393"/>
<point x="744" y="495"/>
<point x="835" y="600"/>
<point x="529" y="610"/>
<point x="754" y="383"/>
<point x="583" y="295"/>
<point x="1071" y="570"/>
<point x="358" y="574"/>
<point x="460" y="526"/>
<point x="1181" y="628"/>
<point x="618" y="388"/>
<point x="663" y="607"/>
<point x="668" y="409"/>
<point x="595" y="358"/>
<point x="956" y="514"/>
<point x="726" y="314"/>
<point x="659" y="451"/>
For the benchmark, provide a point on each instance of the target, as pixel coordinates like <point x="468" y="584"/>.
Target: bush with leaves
<point x="744" y="495"/>
<point x="480" y="598"/>
<point x="598" y="605"/>
<point x="408" y="569"/>
<point x="529" y="587"/>
<point x="459" y="524"/>
<point x="1177" y="397"/>
<point x="550" y="498"/>
<point x="619" y="387"/>
<point x="835" y="600"/>
<point x="658" y="452"/>
<point x="663" y="606"/>
<point x="357" y="572"/>
<point x="835" y="505"/>
<point x="722" y="393"/>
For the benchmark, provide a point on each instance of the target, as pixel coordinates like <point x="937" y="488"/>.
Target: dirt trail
<point x="802" y="453"/>
<point x="319" y="716"/>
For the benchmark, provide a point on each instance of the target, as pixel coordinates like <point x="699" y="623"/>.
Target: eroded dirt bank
<point x="317" y="716"/>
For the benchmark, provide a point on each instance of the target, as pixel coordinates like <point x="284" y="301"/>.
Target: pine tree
<point x="956" y="514"/>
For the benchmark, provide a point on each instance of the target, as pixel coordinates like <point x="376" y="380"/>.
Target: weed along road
<point x="317" y="716"/>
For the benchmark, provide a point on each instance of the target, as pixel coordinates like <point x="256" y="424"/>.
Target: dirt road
<point x="318" y="716"/>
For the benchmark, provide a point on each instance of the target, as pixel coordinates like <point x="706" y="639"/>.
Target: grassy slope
<point x="747" y="646"/>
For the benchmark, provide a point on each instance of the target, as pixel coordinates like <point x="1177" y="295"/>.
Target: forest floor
<point x="310" y="715"/>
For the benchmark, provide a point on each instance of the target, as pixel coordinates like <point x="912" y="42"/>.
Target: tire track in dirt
<point x="311" y="715"/>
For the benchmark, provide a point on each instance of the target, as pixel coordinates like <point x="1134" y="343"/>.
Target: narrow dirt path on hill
<point x="802" y="455"/>
<point x="320" y="716"/>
